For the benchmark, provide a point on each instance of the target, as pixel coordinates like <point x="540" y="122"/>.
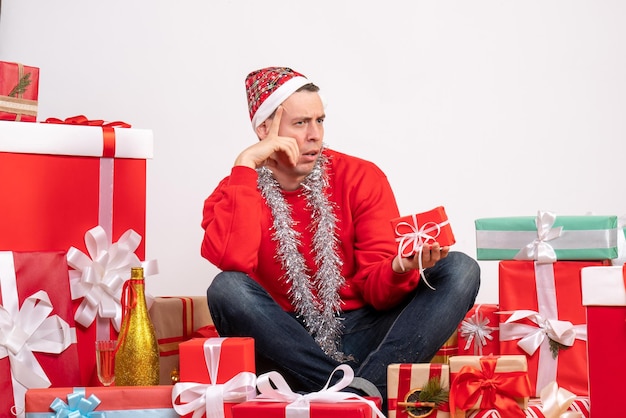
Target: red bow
<point x="82" y="120"/>
<point x="497" y="390"/>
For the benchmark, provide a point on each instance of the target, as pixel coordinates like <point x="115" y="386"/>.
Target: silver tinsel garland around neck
<point x="321" y="313"/>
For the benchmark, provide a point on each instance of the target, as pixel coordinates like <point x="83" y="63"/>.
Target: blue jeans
<point x="409" y="333"/>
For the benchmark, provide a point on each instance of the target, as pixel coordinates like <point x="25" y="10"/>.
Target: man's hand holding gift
<point x="423" y="239"/>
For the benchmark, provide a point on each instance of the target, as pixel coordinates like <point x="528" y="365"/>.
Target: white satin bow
<point x="476" y="329"/>
<point x="539" y="249"/>
<point x="555" y="401"/>
<point x="32" y="330"/>
<point x="99" y="276"/>
<point x="209" y="398"/>
<point x="274" y="388"/>
<point x="415" y="240"/>
<point x="531" y="337"/>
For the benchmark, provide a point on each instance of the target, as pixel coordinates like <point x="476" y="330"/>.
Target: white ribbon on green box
<point x="547" y="238"/>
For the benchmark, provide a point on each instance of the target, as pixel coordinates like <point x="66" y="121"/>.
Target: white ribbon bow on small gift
<point x="99" y="276"/>
<point x="555" y="401"/>
<point x="209" y="398"/>
<point x="476" y="329"/>
<point x="415" y="240"/>
<point x="32" y="330"/>
<point x="539" y="249"/>
<point x="274" y="388"/>
<point x="531" y="337"/>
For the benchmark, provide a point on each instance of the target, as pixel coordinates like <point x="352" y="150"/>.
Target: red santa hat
<point x="267" y="88"/>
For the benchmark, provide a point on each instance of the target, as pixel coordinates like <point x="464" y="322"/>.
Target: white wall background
<point x="488" y="107"/>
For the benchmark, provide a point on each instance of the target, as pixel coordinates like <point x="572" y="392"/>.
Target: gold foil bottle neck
<point x="136" y="273"/>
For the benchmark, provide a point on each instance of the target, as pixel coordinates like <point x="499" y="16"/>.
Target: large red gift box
<point x="604" y="295"/>
<point x="19" y="90"/>
<point x="58" y="182"/>
<point x="37" y="335"/>
<point x="405" y="379"/>
<point x="176" y="319"/>
<point x="547" y="321"/>
<point x="118" y="401"/>
<point x="479" y="332"/>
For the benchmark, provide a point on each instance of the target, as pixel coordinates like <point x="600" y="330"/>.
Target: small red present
<point x="413" y="231"/>
<point x="37" y="334"/>
<point x="145" y="401"/>
<point x="489" y="382"/>
<point x="277" y="400"/>
<point x="604" y="296"/>
<point x="543" y="318"/>
<point x="406" y="381"/>
<point x="479" y="332"/>
<point x="215" y="374"/>
<point x="19" y="90"/>
<point x="215" y="360"/>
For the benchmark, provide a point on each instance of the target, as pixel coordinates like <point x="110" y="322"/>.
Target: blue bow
<point x="77" y="406"/>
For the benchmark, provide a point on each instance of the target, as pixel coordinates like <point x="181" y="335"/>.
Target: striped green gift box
<point x="547" y="237"/>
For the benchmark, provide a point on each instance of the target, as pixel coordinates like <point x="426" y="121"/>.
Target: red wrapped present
<point x="479" y="332"/>
<point x="448" y="349"/>
<point x="215" y="374"/>
<point x="277" y="400"/>
<point x="489" y="382"/>
<point x="84" y="176"/>
<point x="555" y="402"/>
<point x="406" y="381"/>
<point x="604" y="295"/>
<point x="37" y="335"/>
<point x="215" y="360"/>
<point x="414" y="231"/>
<point x="118" y="401"/>
<point x="423" y="228"/>
<point x="177" y="319"/>
<point x="547" y="321"/>
<point x="19" y="90"/>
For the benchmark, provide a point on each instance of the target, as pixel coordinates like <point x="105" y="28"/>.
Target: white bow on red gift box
<point x="98" y="277"/>
<point x="202" y="398"/>
<point x="273" y="388"/>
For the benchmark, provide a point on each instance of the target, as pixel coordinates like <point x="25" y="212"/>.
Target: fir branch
<point x="21" y="86"/>
<point x="556" y="346"/>
<point x="433" y="392"/>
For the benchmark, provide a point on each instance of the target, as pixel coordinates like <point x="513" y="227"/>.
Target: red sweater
<point x="238" y="233"/>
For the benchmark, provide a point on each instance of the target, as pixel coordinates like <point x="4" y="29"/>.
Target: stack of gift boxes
<point x="550" y="346"/>
<point x="72" y="216"/>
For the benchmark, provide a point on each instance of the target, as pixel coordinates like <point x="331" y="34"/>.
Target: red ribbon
<point x="129" y="301"/>
<point x="108" y="133"/>
<point x="498" y="390"/>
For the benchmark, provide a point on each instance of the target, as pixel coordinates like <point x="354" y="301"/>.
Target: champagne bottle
<point x="137" y="356"/>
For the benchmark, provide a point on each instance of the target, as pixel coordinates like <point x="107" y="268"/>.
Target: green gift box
<point x="547" y="237"/>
